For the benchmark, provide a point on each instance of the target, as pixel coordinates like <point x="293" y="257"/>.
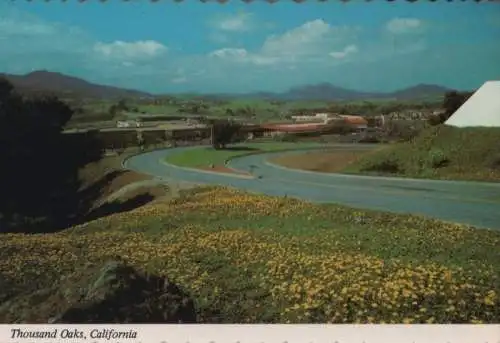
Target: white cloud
<point x="243" y="56"/>
<point x="12" y="27"/>
<point x="307" y="53"/>
<point x="240" y="22"/>
<point x="404" y="25"/>
<point x="25" y="34"/>
<point x="229" y="53"/>
<point x="130" y="50"/>
<point x="311" y="40"/>
<point x="347" y="51"/>
<point x="180" y="79"/>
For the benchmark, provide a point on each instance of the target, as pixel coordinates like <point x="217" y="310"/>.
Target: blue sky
<point x="237" y="47"/>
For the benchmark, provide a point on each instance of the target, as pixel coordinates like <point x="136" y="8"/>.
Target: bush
<point x="287" y="137"/>
<point x="495" y="161"/>
<point x="224" y="132"/>
<point x="452" y="101"/>
<point x="437" y="158"/>
<point x="388" y="165"/>
<point x="441" y="152"/>
<point x="370" y="139"/>
<point x="403" y="130"/>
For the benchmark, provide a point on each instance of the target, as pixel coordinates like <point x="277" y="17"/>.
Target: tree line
<point x="452" y="101"/>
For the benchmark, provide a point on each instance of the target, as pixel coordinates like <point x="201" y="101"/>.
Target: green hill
<point x="440" y="152"/>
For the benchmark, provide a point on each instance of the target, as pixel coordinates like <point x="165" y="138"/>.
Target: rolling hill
<point x="327" y="91"/>
<point x="64" y="85"/>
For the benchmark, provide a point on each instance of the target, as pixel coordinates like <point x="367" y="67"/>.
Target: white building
<point x="317" y="118"/>
<point x="482" y="108"/>
<point x="122" y="124"/>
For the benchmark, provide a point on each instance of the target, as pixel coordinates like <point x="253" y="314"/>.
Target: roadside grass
<point x="441" y="152"/>
<point x="205" y="156"/>
<point x="322" y="161"/>
<point x="248" y="258"/>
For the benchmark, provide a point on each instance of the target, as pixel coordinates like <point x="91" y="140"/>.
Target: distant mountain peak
<point x="59" y="83"/>
<point x="41" y="72"/>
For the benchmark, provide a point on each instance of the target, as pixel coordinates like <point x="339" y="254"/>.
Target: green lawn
<point x="205" y="156"/>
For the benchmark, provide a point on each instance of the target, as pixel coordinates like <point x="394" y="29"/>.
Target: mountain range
<point x="67" y="86"/>
<point x="42" y="81"/>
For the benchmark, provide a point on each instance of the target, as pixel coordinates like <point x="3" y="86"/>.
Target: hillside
<point x="245" y="258"/>
<point x="441" y="152"/>
<point x="329" y="92"/>
<point x="419" y="91"/>
<point x="64" y="85"/>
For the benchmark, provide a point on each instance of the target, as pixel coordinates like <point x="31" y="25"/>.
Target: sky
<point x="191" y="46"/>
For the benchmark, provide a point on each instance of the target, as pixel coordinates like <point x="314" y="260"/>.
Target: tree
<point x="122" y="105"/>
<point x="39" y="182"/>
<point x="452" y="101"/>
<point x="6" y="89"/>
<point x="223" y="133"/>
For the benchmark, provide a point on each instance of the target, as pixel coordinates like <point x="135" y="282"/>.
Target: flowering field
<point x="252" y="258"/>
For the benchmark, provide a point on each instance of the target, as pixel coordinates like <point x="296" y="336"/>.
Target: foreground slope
<point x="249" y="258"/>
<point x="441" y="152"/>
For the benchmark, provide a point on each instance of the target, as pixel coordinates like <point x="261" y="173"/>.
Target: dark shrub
<point x="388" y="165"/>
<point x="224" y="132"/>
<point x="437" y="158"/>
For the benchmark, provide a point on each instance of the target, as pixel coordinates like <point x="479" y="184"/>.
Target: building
<point x="356" y="123"/>
<point x="122" y="124"/>
<point x="295" y="128"/>
<point x="325" y="124"/>
<point x="316" y="118"/>
<point x="481" y="109"/>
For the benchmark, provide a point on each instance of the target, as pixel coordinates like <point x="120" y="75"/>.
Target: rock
<point x="120" y="294"/>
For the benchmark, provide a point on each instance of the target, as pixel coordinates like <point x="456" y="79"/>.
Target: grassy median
<point x="205" y="156"/>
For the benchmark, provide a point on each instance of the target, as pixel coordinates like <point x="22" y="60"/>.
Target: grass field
<point x="320" y="161"/>
<point x="205" y="156"/>
<point x="440" y="152"/>
<point x="249" y="258"/>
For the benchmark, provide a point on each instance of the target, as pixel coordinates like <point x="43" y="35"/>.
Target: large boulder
<point x="112" y="292"/>
<point x="120" y="294"/>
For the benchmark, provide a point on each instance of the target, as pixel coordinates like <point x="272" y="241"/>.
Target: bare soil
<point x="107" y="173"/>
<point x="155" y="192"/>
<point x="324" y="161"/>
<point x="94" y="171"/>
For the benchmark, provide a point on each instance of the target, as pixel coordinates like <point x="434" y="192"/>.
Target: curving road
<point x="473" y="203"/>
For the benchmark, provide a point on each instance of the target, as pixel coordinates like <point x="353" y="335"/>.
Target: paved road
<point x="473" y="203"/>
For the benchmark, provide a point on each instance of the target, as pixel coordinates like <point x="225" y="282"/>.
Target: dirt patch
<point x="153" y="191"/>
<point x="224" y="169"/>
<point x="109" y="168"/>
<point x="125" y="178"/>
<point x="100" y="179"/>
<point x="324" y="161"/>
